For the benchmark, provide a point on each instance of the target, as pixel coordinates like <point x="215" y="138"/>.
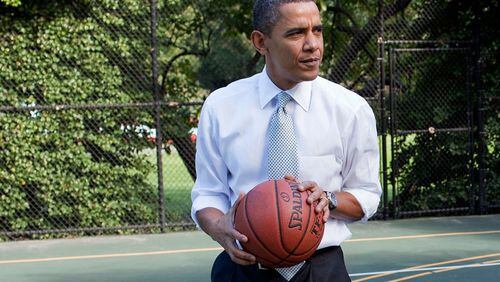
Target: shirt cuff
<point x="368" y="201"/>
<point x="219" y="202"/>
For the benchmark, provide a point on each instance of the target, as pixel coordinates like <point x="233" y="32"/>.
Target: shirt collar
<point x="301" y="93"/>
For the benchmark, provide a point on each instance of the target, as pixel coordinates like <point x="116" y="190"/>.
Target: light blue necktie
<point x="283" y="156"/>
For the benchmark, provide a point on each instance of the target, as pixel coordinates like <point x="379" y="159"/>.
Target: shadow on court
<point x="423" y="249"/>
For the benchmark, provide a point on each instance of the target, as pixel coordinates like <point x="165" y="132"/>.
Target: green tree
<point x="70" y="168"/>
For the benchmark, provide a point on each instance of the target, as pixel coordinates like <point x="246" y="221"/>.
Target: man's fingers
<point x="315" y="195"/>
<point x="241" y="261"/>
<point x="308" y="185"/>
<point x="238" y="236"/>
<point x="290" y="177"/>
<point x="322" y="204"/>
<point x="326" y="214"/>
<point x="241" y="257"/>
<point x="244" y="256"/>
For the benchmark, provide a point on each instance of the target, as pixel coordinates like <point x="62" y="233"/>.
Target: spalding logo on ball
<point x="281" y="227"/>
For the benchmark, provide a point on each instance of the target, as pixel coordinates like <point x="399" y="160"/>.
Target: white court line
<point x="424" y="269"/>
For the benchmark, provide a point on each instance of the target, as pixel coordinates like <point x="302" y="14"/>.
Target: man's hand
<point x="221" y="228"/>
<point x="317" y="194"/>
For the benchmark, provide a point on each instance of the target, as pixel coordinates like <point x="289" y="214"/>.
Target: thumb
<point x="290" y="177"/>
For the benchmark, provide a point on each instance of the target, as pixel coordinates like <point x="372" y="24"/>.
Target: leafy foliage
<point x="79" y="168"/>
<point x="13" y="3"/>
<point x="490" y="88"/>
<point x="68" y="168"/>
<point x="434" y="169"/>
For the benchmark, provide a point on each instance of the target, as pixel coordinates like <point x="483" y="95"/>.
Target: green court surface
<point x="423" y="249"/>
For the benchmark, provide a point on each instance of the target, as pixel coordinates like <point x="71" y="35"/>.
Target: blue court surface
<point x="423" y="249"/>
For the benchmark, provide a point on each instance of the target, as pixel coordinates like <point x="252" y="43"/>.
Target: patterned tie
<point x="283" y="156"/>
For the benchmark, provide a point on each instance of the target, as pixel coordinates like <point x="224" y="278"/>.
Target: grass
<point x="409" y="139"/>
<point x="177" y="184"/>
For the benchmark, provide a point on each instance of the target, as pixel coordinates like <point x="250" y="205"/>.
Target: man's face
<point x="294" y="48"/>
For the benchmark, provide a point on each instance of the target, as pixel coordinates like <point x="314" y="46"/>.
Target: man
<point x="330" y="139"/>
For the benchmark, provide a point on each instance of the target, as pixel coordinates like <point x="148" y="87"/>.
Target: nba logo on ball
<point x="282" y="228"/>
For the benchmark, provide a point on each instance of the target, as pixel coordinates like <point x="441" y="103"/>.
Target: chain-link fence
<point x="81" y="122"/>
<point x="431" y="130"/>
<point x="99" y="103"/>
<point x="489" y="155"/>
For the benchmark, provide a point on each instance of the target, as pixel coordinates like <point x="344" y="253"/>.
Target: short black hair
<point x="266" y="13"/>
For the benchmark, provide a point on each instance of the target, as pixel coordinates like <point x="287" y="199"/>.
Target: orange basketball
<point x="282" y="228"/>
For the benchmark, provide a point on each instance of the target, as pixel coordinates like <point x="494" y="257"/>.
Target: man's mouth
<point x="310" y="61"/>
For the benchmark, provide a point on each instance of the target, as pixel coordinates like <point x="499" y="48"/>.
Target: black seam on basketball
<point x="253" y="232"/>
<point x="311" y="210"/>
<point x="258" y="239"/>
<point x="302" y="239"/>
<point x="279" y="224"/>
<point x="279" y="215"/>
<point x="281" y="238"/>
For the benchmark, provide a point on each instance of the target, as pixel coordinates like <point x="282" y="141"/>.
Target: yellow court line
<point x="411" y="277"/>
<point x="454" y="268"/>
<point x="429" y="265"/>
<point x="425" y="236"/>
<point x="110" y="255"/>
<point x="220" y="249"/>
<point x="445" y="270"/>
<point x="491" y="261"/>
<point x="418" y="237"/>
<point x="477" y="264"/>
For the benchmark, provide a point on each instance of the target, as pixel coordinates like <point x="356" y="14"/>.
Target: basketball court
<point x="422" y="249"/>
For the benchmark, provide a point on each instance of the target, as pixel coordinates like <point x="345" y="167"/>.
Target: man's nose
<point x="312" y="42"/>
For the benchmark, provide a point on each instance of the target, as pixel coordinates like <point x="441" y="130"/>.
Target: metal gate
<point x="430" y="128"/>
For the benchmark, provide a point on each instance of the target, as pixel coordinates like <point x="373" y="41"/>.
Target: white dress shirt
<point x="336" y="138"/>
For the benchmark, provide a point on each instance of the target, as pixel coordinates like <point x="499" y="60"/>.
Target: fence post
<point x="470" y="138"/>
<point x="392" y="125"/>
<point x="482" y="206"/>
<point x="157" y="97"/>
<point x="383" y="126"/>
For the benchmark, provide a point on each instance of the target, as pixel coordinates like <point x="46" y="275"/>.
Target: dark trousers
<point x="325" y="265"/>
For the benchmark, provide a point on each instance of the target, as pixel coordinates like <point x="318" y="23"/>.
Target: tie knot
<point x="283" y="99"/>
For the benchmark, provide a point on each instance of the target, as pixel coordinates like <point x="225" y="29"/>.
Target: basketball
<point x="281" y="227"/>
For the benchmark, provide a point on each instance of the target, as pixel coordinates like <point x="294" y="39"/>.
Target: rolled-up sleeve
<point x="210" y="188"/>
<point x="361" y="167"/>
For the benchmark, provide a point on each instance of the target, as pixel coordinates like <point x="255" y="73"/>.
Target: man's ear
<point x="258" y="42"/>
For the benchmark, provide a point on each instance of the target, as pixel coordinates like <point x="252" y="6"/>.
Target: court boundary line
<point x="420" y="267"/>
<point x="179" y="251"/>
<point x="481" y="264"/>
<point x="424" y="236"/>
<point x="110" y="255"/>
<point x="437" y="268"/>
<point x="450" y="268"/>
